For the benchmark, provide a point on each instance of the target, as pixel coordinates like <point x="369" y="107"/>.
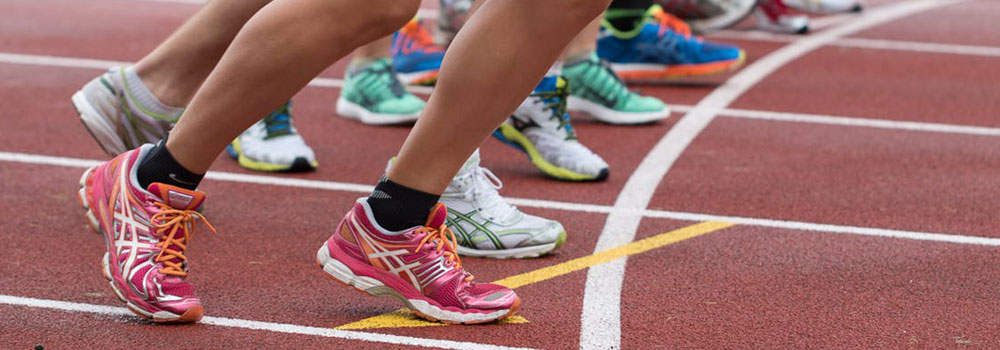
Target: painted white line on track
<point x="258" y="325"/>
<point x="37" y="159"/>
<point x="851" y="121"/>
<point x="865" y="43"/>
<point x="601" y="316"/>
<point x="86" y="63"/>
<point x="918" y="46"/>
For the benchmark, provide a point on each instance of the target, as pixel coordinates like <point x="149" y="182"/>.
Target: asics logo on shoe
<point x="178" y="200"/>
<point x="392" y="260"/>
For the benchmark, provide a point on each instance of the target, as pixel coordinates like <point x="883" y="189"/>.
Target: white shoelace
<point x="485" y="187"/>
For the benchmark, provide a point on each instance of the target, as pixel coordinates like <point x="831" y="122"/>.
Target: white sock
<point x="141" y="96"/>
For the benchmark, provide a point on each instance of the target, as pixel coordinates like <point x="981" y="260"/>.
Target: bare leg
<point x="178" y="66"/>
<point x="524" y="38"/>
<point x="282" y="47"/>
<point x="373" y="50"/>
<point x="584" y="43"/>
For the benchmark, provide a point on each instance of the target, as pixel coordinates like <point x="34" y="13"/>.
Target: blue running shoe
<point x="664" y="48"/>
<point x="415" y="57"/>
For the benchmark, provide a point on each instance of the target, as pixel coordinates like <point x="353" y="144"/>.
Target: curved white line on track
<point x="600" y="324"/>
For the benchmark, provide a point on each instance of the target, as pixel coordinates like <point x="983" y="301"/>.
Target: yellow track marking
<point x="404" y="318"/>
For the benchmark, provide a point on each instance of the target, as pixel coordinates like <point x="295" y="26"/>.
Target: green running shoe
<point x="374" y="95"/>
<point x="596" y="90"/>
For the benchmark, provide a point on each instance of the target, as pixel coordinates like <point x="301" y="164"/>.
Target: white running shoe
<point x="825" y="6"/>
<point x="486" y="226"/>
<point x="540" y="128"/>
<point x="109" y="111"/>
<point x="773" y="16"/>
<point x="709" y="15"/>
<point x="273" y="144"/>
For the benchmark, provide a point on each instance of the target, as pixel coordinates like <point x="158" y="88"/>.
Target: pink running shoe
<point x="418" y="266"/>
<point x="146" y="233"/>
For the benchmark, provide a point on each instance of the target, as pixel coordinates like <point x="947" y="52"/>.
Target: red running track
<point x="743" y="287"/>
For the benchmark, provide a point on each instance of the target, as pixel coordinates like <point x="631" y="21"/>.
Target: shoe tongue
<point x="438" y="214"/>
<point x="470" y="164"/>
<point x="176" y="197"/>
<point x="548" y="83"/>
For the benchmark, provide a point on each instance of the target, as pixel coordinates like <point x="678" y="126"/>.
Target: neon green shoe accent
<point x="549" y="169"/>
<point x="256" y="165"/>
<point x="593" y="80"/>
<point x="561" y="239"/>
<point x="377" y="89"/>
<point x="128" y="93"/>
<point x="610" y="14"/>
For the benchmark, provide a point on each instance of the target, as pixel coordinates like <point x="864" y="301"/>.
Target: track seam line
<point x="86" y="63"/>
<point x="257" y="325"/>
<point x="37" y="159"/>
<point x="600" y="319"/>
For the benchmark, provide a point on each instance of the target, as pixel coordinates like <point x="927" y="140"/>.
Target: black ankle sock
<point x="625" y="15"/>
<point x="160" y="166"/>
<point x="397" y="207"/>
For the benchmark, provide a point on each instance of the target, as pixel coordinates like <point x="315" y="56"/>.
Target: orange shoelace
<point x="444" y="238"/>
<point x="170" y="219"/>
<point x="421" y="36"/>
<point x="668" y="21"/>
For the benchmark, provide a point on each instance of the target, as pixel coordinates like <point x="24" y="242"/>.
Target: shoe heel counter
<point x="345" y="239"/>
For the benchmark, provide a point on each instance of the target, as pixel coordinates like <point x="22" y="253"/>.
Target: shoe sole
<point x="428" y="78"/>
<point x="353" y="110"/>
<point x="300" y="164"/>
<point x="513" y="253"/>
<point x="509" y="135"/>
<point x="193" y="314"/>
<point x="343" y="274"/>
<point x="99" y="128"/>
<point x="611" y="116"/>
<point x="722" y="22"/>
<point x="644" y="72"/>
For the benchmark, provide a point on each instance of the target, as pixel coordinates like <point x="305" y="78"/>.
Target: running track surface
<point x="862" y="181"/>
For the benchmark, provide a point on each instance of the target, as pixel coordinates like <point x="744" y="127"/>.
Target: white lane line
<point x="88" y="63"/>
<point x="257" y="325"/>
<point x="864" y="43"/>
<point x="544" y="204"/>
<point x="826" y="228"/>
<point x="851" y="121"/>
<point x="601" y="315"/>
<point x="918" y="46"/>
<point x="70" y="62"/>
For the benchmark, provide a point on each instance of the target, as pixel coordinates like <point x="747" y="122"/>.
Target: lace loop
<point x="668" y="21"/>
<point x="556" y="102"/>
<point x="444" y="243"/>
<point x="279" y="122"/>
<point x="167" y="222"/>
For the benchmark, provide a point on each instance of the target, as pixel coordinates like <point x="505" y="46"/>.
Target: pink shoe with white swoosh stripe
<point x="419" y="266"/>
<point x="146" y="232"/>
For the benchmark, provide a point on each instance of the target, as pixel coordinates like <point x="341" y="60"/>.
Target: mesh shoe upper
<point x="274" y="140"/>
<point x="482" y="219"/>
<point x="147" y="232"/>
<point x="543" y="120"/>
<point x="663" y="40"/>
